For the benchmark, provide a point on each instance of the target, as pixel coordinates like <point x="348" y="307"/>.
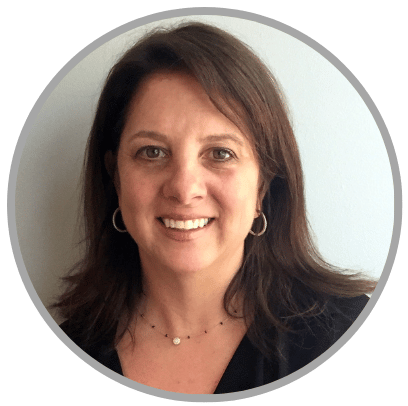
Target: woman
<point x="200" y="275"/>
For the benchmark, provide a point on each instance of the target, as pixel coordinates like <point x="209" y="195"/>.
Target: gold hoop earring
<point x="114" y="221"/>
<point x="263" y="229"/>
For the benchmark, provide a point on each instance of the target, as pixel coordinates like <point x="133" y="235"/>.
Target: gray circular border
<point x="185" y="13"/>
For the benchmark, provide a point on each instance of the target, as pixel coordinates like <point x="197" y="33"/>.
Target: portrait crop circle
<point x="191" y="14"/>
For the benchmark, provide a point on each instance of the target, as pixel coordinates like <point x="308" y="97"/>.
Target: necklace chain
<point x="177" y="340"/>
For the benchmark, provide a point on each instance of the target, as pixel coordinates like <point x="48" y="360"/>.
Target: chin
<point x="187" y="265"/>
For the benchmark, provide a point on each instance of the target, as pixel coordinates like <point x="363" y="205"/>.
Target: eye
<point x="222" y="154"/>
<point x="151" y="152"/>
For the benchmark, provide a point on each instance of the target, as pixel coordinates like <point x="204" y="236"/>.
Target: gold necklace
<point x="177" y="340"/>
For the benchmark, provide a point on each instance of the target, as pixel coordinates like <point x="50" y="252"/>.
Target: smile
<point x="187" y="224"/>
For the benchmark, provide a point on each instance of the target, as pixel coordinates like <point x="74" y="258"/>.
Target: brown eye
<point x="222" y="154"/>
<point x="151" y="152"/>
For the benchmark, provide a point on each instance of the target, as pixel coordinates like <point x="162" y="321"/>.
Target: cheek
<point x="135" y="192"/>
<point x="239" y="195"/>
<point x="247" y="186"/>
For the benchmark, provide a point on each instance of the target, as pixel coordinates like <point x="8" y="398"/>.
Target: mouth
<point x="185" y="225"/>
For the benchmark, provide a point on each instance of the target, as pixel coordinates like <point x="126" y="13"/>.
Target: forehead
<point x="175" y="101"/>
<point x="166" y="86"/>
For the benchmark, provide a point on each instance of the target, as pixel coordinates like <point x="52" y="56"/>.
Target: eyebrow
<point x="149" y="134"/>
<point x="222" y="137"/>
<point x="208" y="138"/>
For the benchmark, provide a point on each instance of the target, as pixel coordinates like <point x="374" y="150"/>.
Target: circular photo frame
<point x="352" y="181"/>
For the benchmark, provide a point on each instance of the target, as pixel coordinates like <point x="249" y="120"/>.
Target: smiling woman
<point x="192" y="173"/>
<point x="214" y="284"/>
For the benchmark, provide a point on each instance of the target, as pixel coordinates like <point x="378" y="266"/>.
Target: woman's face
<point x="187" y="178"/>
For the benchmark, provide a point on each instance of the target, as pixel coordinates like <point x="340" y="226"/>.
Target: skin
<point x="179" y="156"/>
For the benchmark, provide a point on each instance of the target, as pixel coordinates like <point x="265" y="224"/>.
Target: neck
<point x="185" y="304"/>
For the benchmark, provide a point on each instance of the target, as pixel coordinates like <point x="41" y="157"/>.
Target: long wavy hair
<point x="282" y="275"/>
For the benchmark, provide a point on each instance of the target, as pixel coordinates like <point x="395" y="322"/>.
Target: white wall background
<point x="349" y="186"/>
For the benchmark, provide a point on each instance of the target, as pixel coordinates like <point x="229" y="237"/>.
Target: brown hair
<point x="282" y="275"/>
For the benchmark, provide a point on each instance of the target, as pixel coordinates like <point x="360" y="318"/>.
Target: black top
<point x="249" y="368"/>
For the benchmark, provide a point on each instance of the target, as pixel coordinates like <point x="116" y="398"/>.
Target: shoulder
<point x="338" y="316"/>
<point x="342" y="312"/>
<point x="101" y="351"/>
<point x="311" y="337"/>
<point x="68" y="328"/>
<point x="350" y="308"/>
<point x="80" y="336"/>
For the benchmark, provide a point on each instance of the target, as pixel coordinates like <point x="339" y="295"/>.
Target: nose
<point x="185" y="183"/>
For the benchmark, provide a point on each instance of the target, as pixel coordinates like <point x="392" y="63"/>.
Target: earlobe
<point x="258" y="210"/>
<point x="262" y="189"/>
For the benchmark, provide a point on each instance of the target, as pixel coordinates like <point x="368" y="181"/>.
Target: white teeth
<point x="186" y="225"/>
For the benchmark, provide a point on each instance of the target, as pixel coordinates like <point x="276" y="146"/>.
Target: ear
<point x="258" y="208"/>
<point x="261" y="194"/>
<point x="109" y="162"/>
<point x="110" y="165"/>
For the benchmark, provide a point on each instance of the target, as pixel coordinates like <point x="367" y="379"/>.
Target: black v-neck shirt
<point x="249" y="368"/>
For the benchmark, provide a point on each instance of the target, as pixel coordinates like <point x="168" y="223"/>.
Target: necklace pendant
<point x="176" y="341"/>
